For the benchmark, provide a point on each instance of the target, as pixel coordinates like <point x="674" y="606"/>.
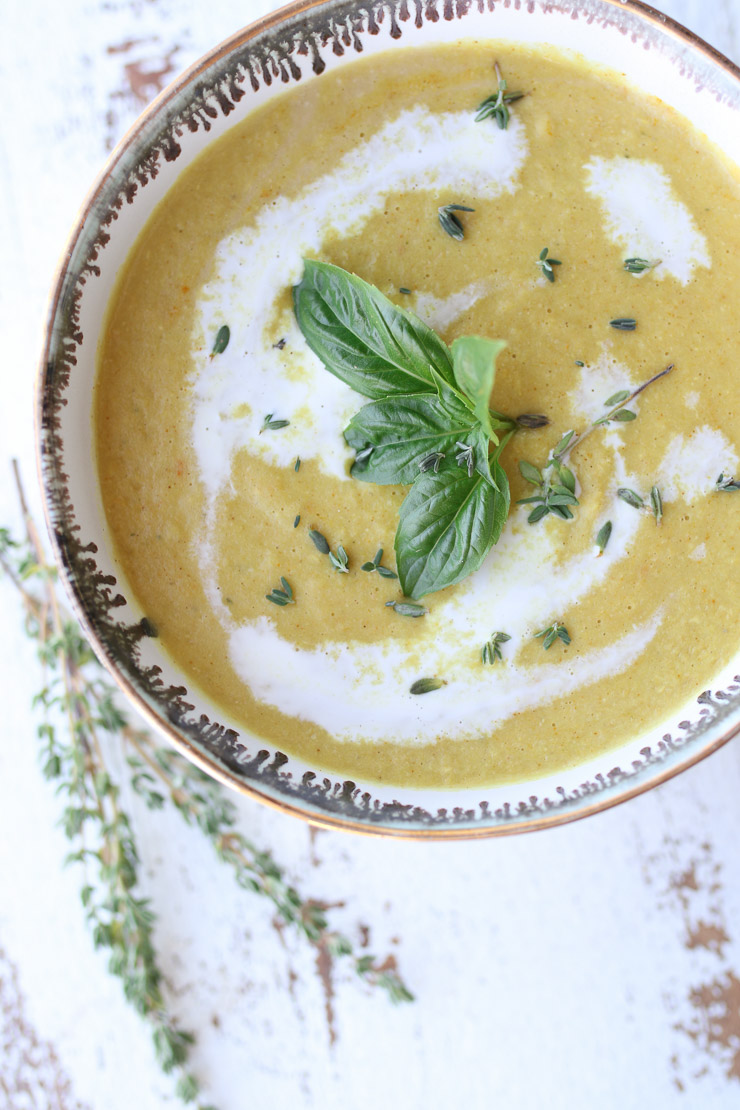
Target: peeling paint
<point x="31" y="1075"/>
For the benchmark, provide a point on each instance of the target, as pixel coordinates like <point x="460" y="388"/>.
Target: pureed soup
<point x="609" y="600"/>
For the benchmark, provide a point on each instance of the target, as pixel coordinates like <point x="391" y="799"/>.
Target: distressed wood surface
<point x="595" y="965"/>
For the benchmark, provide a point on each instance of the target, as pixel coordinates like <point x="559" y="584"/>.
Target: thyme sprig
<point x="496" y="106"/>
<point x="375" y="564"/>
<point x="450" y="222"/>
<point x="491" y="650"/>
<point x="82" y="731"/>
<point x="555" y="482"/>
<point x="282" y="596"/>
<point x="340" y="561"/>
<point x="546" y="264"/>
<point x="553" y="632"/>
<point x="727" y="485"/>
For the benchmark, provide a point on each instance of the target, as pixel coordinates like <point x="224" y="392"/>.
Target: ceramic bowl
<point x="298" y="43"/>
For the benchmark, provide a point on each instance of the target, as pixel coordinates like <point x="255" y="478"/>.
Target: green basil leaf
<point x="363" y="338"/>
<point x="403" y="431"/>
<point x="448" y="524"/>
<point x="474" y="367"/>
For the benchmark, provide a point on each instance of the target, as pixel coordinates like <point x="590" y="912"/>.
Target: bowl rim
<point x="251" y="788"/>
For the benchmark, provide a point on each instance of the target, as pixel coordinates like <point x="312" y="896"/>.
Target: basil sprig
<point x="428" y="401"/>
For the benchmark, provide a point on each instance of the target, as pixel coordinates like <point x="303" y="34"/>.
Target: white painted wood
<point x="569" y="969"/>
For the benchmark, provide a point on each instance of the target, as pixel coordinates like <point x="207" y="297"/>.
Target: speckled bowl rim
<point x="541" y="813"/>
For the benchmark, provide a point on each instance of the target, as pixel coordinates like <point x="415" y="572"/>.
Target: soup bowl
<point x="296" y="45"/>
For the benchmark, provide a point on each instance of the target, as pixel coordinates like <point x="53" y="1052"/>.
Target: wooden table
<point x="596" y="965"/>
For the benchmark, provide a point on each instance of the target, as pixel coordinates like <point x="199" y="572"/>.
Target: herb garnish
<point x="320" y="542"/>
<point x="491" y="650"/>
<point x="451" y="223"/>
<point x="656" y="502"/>
<point x="557" y="488"/>
<point x="375" y="565"/>
<point x="223" y="335"/>
<point x="407" y="608"/>
<point x="553" y="632"/>
<point x="602" y="536"/>
<point x="640" y="265"/>
<point x="431" y="461"/>
<point x="727" y="485"/>
<point x="282" y="596"/>
<point x="425" y="685"/>
<point x="623" y="323"/>
<point x="546" y="264"/>
<point x="270" y="425"/>
<point x="297" y="521"/>
<point x="465" y="457"/>
<point x="532" y="420"/>
<point x="426" y="399"/>
<point x="340" y="561"/>
<point x="496" y="105"/>
<point x="297" y="466"/>
<point x="630" y="497"/>
<point x="403" y="289"/>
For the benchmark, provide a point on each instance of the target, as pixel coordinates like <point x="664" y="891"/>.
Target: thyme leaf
<point x="407" y="608"/>
<point x="656" y="502"/>
<point x="623" y="323"/>
<point x="425" y="685"/>
<point x="271" y="425"/>
<point x="727" y="485"/>
<point x="221" y="342"/>
<point x="630" y="497"/>
<point x="640" y="265"/>
<point x="603" y="535"/>
<point x="320" y="542"/>
<point x="530" y="420"/>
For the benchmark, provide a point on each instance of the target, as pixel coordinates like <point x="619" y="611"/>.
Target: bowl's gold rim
<point x="327" y="821"/>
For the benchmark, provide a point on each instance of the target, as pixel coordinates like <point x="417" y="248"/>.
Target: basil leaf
<point x="363" y="338"/>
<point x="403" y="431"/>
<point x="448" y="523"/>
<point x="474" y="367"/>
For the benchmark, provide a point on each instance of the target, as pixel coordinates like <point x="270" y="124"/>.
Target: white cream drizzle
<point x="358" y="690"/>
<point x="448" y="154"/>
<point x="645" y="217"/>
<point x="693" y="463"/>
